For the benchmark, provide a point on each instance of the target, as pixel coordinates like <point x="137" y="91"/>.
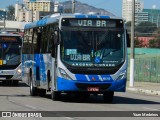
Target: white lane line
<point x="151" y="109"/>
<point x="69" y="118"/>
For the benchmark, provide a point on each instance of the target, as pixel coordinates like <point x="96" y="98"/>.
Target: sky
<point x="113" y="6"/>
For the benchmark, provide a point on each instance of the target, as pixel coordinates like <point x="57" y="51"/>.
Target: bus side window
<point x="44" y="40"/>
<point x="25" y="43"/>
<point x="35" y="36"/>
<point x="36" y="44"/>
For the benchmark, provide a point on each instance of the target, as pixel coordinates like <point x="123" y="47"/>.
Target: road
<point x="14" y="98"/>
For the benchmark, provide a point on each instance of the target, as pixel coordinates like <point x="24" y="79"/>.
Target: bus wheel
<point x="33" y="90"/>
<point x="55" y="95"/>
<point x="108" y="97"/>
<point x="42" y="92"/>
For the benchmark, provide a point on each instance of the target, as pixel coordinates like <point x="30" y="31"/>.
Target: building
<point x="12" y="26"/>
<point x="153" y="16"/>
<point x="32" y="10"/>
<point x="141" y="17"/>
<point x="127" y="8"/>
<point x="39" y="5"/>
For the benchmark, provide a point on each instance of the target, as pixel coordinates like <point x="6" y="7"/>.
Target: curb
<point x="144" y="91"/>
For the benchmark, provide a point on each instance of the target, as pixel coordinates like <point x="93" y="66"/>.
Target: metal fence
<point x="147" y="69"/>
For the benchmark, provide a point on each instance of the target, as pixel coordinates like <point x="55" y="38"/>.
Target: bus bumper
<point x="73" y="85"/>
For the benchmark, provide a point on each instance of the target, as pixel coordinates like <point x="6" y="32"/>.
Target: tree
<point x="138" y="43"/>
<point x="146" y="27"/>
<point x="10" y="12"/>
<point x="156" y="41"/>
<point x="152" y="44"/>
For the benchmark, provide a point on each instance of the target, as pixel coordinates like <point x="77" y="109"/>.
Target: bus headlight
<point x="19" y="71"/>
<point x="64" y="74"/>
<point x="122" y="75"/>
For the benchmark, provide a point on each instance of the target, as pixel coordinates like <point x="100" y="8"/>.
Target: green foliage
<point x="138" y="43"/>
<point x="152" y="43"/>
<point x="156" y="40"/>
<point x="146" y="27"/>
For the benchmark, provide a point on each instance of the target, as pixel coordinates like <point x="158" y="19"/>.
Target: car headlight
<point x="122" y="75"/>
<point x="19" y="71"/>
<point x="64" y="74"/>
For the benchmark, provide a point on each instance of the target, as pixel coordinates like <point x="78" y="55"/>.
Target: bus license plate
<point x="95" y="89"/>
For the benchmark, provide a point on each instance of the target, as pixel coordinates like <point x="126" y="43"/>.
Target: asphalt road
<point x="17" y="98"/>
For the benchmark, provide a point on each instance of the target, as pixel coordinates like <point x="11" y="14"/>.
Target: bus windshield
<point x="10" y="53"/>
<point x="10" y="50"/>
<point x="90" y="48"/>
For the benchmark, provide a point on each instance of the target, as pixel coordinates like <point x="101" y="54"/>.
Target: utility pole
<point x="4" y="19"/>
<point x="132" y="45"/>
<point x="73" y="6"/>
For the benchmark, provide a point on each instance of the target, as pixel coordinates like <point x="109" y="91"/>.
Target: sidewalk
<point x="145" y="88"/>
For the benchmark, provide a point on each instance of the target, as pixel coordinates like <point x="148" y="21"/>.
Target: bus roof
<point x="54" y="17"/>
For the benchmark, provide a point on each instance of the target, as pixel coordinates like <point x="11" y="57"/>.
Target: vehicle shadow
<point x="11" y="84"/>
<point x="99" y="100"/>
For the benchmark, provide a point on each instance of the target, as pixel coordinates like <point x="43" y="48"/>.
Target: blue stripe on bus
<point x="96" y="78"/>
<point x="41" y="22"/>
<point x="92" y="16"/>
<point x="80" y="16"/>
<point x="103" y="16"/>
<point x="81" y="77"/>
<point x="42" y="68"/>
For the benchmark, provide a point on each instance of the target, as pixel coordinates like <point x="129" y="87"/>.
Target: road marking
<point x="69" y="118"/>
<point x="29" y="106"/>
<point x="151" y="109"/>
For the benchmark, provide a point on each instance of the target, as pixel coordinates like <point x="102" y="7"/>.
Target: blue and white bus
<point x="75" y="53"/>
<point x="10" y="57"/>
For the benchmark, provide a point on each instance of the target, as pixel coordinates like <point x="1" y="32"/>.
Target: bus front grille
<point x="6" y="76"/>
<point x="84" y="86"/>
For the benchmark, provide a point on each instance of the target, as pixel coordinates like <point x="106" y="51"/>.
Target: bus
<point x="84" y="54"/>
<point x="10" y="57"/>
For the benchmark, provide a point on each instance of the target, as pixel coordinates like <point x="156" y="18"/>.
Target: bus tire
<point x="55" y="95"/>
<point x="42" y="92"/>
<point x="108" y="97"/>
<point x="33" y="90"/>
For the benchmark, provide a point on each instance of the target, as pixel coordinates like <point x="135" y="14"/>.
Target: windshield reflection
<point x="92" y="48"/>
<point x="10" y="53"/>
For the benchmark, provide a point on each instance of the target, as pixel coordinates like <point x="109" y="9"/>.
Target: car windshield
<point x="102" y="48"/>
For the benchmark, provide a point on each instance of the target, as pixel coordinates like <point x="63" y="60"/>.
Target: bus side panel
<point x="25" y="67"/>
<point x="41" y="67"/>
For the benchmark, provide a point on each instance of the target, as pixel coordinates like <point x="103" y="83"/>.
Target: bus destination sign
<point x="103" y="23"/>
<point x="8" y="39"/>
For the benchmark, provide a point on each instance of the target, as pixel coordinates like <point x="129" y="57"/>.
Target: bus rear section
<point x="10" y="58"/>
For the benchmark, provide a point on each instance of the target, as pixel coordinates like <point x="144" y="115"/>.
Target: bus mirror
<point x="128" y="40"/>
